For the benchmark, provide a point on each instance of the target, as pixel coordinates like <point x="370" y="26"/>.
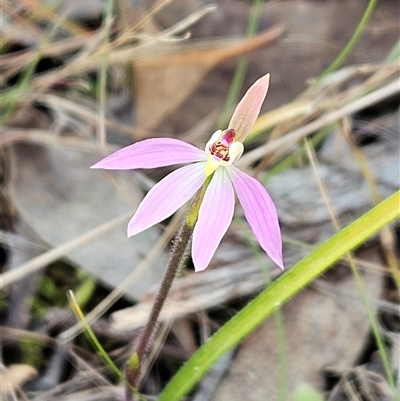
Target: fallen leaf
<point x="170" y="71"/>
<point x="61" y="198"/>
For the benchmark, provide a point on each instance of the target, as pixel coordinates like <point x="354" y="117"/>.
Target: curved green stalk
<point x="96" y="343"/>
<point x="278" y="293"/>
<point x="340" y="59"/>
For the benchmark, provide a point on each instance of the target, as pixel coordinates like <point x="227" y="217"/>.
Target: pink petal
<point x="260" y="212"/>
<point x="152" y="153"/>
<point x="215" y="216"/>
<point x="248" y="109"/>
<point x="167" y="196"/>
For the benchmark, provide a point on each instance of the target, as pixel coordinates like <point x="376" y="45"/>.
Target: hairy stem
<point x="134" y="366"/>
<point x="176" y="260"/>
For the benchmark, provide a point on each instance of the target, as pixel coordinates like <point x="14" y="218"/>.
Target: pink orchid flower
<point x="216" y="210"/>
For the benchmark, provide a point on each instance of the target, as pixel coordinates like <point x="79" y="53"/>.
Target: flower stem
<point x="178" y="256"/>
<point x="134" y="366"/>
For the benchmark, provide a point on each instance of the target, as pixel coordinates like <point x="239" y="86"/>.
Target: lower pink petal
<point x="152" y="153"/>
<point x="167" y="196"/>
<point x="260" y="212"/>
<point x="215" y="216"/>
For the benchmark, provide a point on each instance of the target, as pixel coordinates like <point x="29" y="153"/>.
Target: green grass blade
<point x="341" y="58"/>
<point x="278" y="293"/>
<point x="96" y="343"/>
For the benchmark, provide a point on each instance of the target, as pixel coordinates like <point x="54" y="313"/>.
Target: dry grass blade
<point x="195" y="293"/>
<point x="14" y="135"/>
<point x="309" y="111"/>
<point x="290" y="139"/>
<point x="44" y="259"/>
<point x="119" y="291"/>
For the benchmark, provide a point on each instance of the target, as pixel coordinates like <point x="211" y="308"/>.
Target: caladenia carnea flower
<point x="213" y="167"/>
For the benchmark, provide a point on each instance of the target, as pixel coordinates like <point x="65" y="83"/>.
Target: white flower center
<point x="222" y="150"/>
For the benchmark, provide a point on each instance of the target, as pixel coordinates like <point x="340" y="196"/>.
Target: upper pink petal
<point x="152" y="153"/>
<point x="167" y="196"/>
<point x="215" y="216"/>
<point x="260" y="212"/>
<point x="248" y="109"/>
